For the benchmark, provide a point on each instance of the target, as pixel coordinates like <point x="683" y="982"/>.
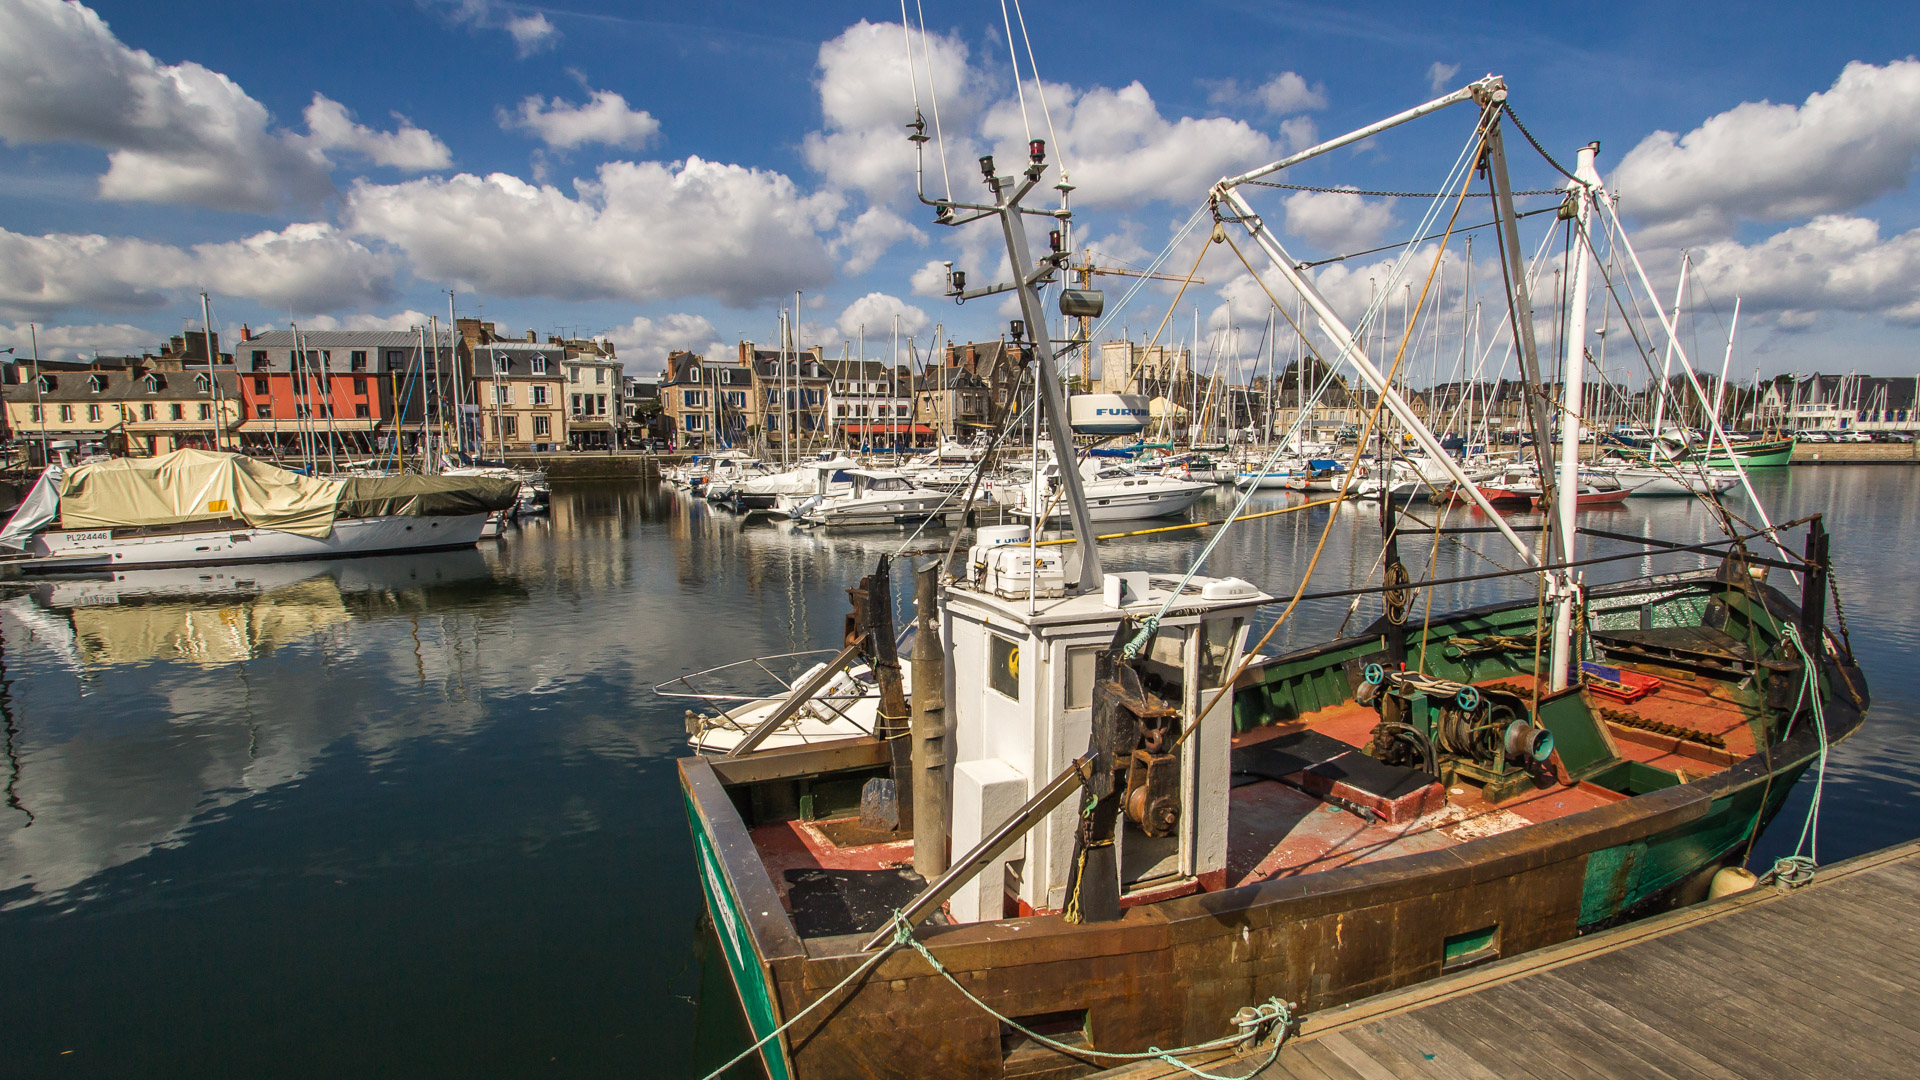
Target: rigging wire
<point x="1059" y="152"/>
<point x="1019" y="88"/>
<point x="933" y="88"/>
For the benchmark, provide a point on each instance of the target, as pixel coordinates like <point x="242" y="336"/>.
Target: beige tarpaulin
<point x="195" y="485"/>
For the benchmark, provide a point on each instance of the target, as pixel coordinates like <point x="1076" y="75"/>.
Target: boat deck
<point x="1818" y="981"/>
<point x="835" y="877"/>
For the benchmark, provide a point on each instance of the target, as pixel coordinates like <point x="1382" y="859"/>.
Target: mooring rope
<point x="1797" y="869"/>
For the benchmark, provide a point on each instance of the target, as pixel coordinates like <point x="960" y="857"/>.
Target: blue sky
<point x="669" y="175"/>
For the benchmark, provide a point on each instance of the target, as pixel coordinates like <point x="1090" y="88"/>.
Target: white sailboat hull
<point x="82" y="548"/>
<point x="1157" y="501"/>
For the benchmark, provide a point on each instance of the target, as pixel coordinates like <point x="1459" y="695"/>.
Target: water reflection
<point x="445" y="759"/>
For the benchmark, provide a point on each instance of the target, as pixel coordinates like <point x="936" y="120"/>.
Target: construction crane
<point x="1083" y="277"/>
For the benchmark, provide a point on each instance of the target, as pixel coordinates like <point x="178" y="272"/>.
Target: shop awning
<point x="886" y="429"/>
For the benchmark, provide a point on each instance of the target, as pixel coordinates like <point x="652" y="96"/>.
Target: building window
<point x="542" y="426"/>
<point x="259" y="359"/>
<point x="362" y="412"/>
<point x="538" y="364"/>
<point x="35" y="414"/>
<point x="576" y="403"/>
<point x="206" y="411"/>
<point x="696" y="423"/>
<point x="395" y="358"/>
<point x="93" y="412"/>
<point x="260" y="384"/>
<point x="357" y="360"/>
<point x="693" y="399"/>
<point x="146" y="412"/>
<point x="97" y="383"/>
<point x="177" y="411"/>
<point x="573" y="373"/>
<point x="600" y="402"/>
<point x="511" y="425"/>
<point x="66" y="413"/>
<point x="303" y="412"/>
<point x="263" y="410"/>
<point x="502" y="394"/>
<point x="360" y="386"/>
<point x="539" y="394"/>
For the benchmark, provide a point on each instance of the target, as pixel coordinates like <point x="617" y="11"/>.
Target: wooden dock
<point x="1820" y="981"/>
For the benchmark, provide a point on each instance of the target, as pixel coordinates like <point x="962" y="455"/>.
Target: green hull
<point x="743" y="962"/>
<point x="1757" y="455"/>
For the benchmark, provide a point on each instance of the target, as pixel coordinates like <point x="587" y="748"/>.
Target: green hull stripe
<point x="749" y="979"/>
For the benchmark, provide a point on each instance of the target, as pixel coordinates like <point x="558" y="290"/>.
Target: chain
<point x="1397" y="194"/>
<point x="1535" y="143"/>
<point x="1839" y="612"/>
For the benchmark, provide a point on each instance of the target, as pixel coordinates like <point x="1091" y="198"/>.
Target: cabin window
<point x="1003" y="665"/>
<point x="1080" y="662"/>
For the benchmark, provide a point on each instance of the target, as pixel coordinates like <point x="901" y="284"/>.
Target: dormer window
<point x="259" y="359"/>
<point x="96" y="383"/>
<point x="47" y="383"/>
<point x="538" y="364"/>
<point x="154" y="383"/>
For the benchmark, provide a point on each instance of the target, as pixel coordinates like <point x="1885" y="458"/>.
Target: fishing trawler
<point x="1102" y="821"/>
<point x="205" y="508"/>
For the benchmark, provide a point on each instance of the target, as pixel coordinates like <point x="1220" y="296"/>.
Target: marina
<point x="1262" y="577"/>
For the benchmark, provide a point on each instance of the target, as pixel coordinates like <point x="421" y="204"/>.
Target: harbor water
<point x="418" y="816"/>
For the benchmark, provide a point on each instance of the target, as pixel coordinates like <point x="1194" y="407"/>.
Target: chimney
<point x="531" y="339"/>
<point x="246" y="334"/>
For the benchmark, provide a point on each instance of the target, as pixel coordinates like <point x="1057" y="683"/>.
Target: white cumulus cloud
<point x="73" y="342"/>
<point x="1334" y="221"/>
<point x="862" y="241"/>
<point x="532" y="33"/>
<point x="645" y="342"/>
<point x="306" y="267"/>
<point x="173" y="133"/>
<point x="1283" y="95"/>
<point x="638" y="231"/>
<point x="331" y="127"/>
<point x="1832" y="263"/>
<point x="1841" y="148"/>
<point x="876" y="311"/>
<point x="604" y="118"/>
<point x="399" y="320"/>
<point x="866" y="102"/>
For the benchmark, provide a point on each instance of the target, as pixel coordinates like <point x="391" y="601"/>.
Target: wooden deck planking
<point x="1820" y="981"/>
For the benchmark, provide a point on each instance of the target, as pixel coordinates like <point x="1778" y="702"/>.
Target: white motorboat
<point x="876" y="497"/>
<point x="201" y="508"/>
<point x="1675" y="479"/>
<point x="793" y="485"/>
<point x="1114" y="493"/>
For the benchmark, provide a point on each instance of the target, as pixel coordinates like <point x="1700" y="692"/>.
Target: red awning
<point x="886" y="429"/>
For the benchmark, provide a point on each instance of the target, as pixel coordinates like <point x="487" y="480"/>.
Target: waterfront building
<point x="596" y="413"/>
<point x="873" y="406"/>
<point x="1843" y="403"/>
<point x="356" y="389"/>
<point x="789" y="395"/>
<point x="139" y="408"/>
<point x="518" y="386"/>
<point x="707" y="406"/>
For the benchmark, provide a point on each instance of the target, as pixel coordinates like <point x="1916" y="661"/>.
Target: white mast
<point x="1720" y="391"/>
<point x="1572" y="402"/>
<point x="1666" y="366"/>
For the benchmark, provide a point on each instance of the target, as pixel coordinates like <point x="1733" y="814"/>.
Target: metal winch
<point x="1454" y="730"/>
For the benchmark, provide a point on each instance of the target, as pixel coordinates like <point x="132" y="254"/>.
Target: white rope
<point x="1018" y="89"/>
<point x="933" y="90"/>
<point x="1059" y="152"/>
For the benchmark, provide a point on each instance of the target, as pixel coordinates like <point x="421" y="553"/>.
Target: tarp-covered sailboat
<point x="196" y="507"/>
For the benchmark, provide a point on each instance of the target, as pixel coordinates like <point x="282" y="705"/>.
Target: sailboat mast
<point x="1666" y="366"/>
<point x="1572" y="368"/>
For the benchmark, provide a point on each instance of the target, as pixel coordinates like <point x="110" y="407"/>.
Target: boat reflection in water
<point x="223" y="615"/>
